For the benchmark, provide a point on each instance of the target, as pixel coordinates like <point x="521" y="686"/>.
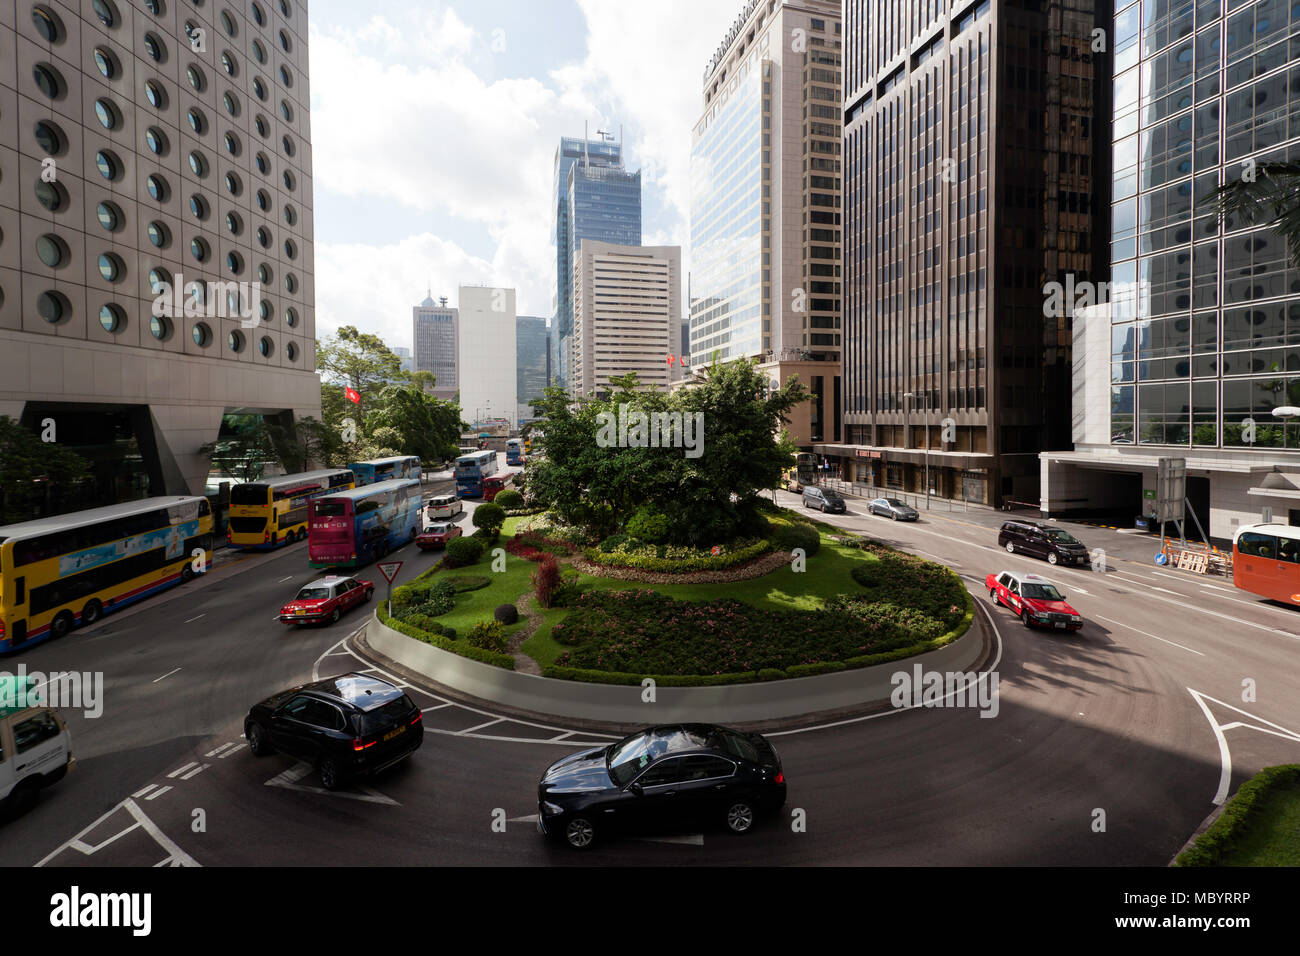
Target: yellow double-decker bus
<point x="273" y="511"/>
<point x="59" y="572"/>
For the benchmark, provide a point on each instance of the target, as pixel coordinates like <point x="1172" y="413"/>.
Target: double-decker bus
<point x="59" y="572"/>
<point x="471" y="469"/>
<point x="352" y="528"/>
<point x="385" y="469"/>
<point x="806" y="468"/>
<point x="515" y="451"/>
<point x="273" y="511"/>
<point x="1266" y="561"/>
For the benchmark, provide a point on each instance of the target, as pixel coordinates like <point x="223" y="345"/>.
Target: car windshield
<point x="1059" y="536"/>
<point x="437" y="529"/>
<point x="1042" y="592"/>
<point x="894" y="503"/>
<point x="312" y="594"/>
<point x="830" y="496"/>
<point x="630" y="756"/>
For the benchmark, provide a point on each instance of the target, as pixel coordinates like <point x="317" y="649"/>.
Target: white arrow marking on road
<point x="1225" y="756"/>
<point x="531" y="818"/>
<point x="289" y="780"/>
<point x="690" y="839"/>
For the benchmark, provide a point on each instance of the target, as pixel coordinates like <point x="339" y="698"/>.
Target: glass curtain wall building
<point x="532" y="359"/>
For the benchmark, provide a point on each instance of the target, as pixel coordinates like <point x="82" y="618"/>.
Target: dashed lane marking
<point x="213" y="753"/>
<point x="196" y="771"/>
<point x="168" y="674"/>
<point x="157" y="793"/>
<point x="180" y="770"/>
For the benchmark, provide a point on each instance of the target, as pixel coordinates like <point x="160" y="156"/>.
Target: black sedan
<point x="893" y="508"/>
<point x="348" y="726"/>
<point x="670" y="777"/>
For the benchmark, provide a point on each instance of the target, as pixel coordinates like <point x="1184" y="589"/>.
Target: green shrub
<point x="489" y="518"/>
<point x="771" y="673"/>
<point x="509" y="500"/>
<point x="462" y="552"/>
<point x="787" y="537"/>
<point x="446" y="641"/>
<point x="649" y="525"/>
<point x="487" y="636"/>
<point x="676" y="560"/>
<point x="449" y="633"/>
<point x="1237" y="815"/>
<point x="507" y="614"/>
<point x="439" y="598"/>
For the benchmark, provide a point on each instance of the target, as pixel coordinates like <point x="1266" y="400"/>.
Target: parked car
<point x="893" y="508"/>
<point x="326" y="600"/>
<point x="823" y="499"/>
<point x="1054" y="544"/>
<point x="437" y="536"/>
<point x="348" y="726"/>
<point x="443" y="506"/>
<point x="680" y="775"/>
<point x="35" y="745"/>
<point x="1034" y="598"/>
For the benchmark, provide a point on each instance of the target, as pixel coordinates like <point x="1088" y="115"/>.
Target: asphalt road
<point x="1105" y="750"/>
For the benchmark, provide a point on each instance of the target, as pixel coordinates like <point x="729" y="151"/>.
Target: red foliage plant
<point x="546" y="580"/>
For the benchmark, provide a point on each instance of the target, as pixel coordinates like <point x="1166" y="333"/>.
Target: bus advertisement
<point x="68" y="570"/>
<point x="352" y="528"/>
<point x="515" y="451"/>
<point x="273" y="511"/>
<point x="1266" y="561"/>
<point x="385" y="469"/>
<point x="471" y="469"/>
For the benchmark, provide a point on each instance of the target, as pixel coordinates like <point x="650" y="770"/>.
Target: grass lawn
<point x="474" y="606"/>
<point x="1272" y="837"/>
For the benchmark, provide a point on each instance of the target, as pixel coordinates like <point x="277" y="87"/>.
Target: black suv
<point x="1057" y="545"/>
<point x="347" y="726"/>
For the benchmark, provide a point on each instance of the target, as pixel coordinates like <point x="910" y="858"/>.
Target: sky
<point x="434" y="127"/>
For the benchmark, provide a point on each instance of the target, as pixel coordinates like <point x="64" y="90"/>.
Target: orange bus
<point x="1266" y="561"/>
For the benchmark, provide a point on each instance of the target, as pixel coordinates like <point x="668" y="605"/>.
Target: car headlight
<point x="1075" y="617"/>
<point x="550" y="809"/>
<point x="1041" y="615"/>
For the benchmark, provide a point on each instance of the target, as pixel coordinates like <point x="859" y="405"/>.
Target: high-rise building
<point x="595" y="198"/>
<point x="626" y="314"/>
<point x="436" y="333"/>
<point x="532" y="354"/>
<point x="486" y="354"/>
<point x="156" y="253"/>
<point x="976" y="171"/>
<point x="408" y="360"/>
<point x="1198" y="343"/>
<point x="765" y="204"/>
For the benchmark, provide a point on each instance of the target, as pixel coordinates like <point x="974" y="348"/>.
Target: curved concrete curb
<point x="621" y="703"/>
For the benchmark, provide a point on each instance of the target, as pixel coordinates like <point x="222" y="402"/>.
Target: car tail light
<point x="266" y="536"/>
<point x="780" y="778"/>
<point x="418" y="717"/>
<point x="358" y="745"/>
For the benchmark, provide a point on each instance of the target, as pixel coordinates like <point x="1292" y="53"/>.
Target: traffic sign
<point x="389" y="570"/>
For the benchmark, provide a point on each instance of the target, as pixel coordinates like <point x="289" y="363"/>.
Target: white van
<point x="444" y="506"/>
<point x="35" y="747"/>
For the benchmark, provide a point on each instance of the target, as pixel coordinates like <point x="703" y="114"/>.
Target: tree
<point x="1266" y="193"/>
<point x="489" y="517"/>
<point x="34" y="473"/>
<point x="360" y="361"/>
<point x="427" y="427"/>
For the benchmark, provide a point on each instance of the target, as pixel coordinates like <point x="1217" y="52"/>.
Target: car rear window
<point x="382" y="718"/>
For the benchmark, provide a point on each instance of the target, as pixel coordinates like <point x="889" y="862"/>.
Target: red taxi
<point x="326" y="600"/>
<point x="437" y="536"/>
<point x="1035" y="599"/>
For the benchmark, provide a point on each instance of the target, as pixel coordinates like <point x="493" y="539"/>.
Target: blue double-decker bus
<point x="353" y="528"/>
<point x="471" y="469"/>
<point x="515" y="451"/>
<point x="385" y="469"/>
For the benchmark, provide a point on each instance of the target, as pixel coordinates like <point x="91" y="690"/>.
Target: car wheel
<point x="258" y="745"/>
<point x="370" y="592"/>
<point x="993" y="595"/>
<point x="187" y="574"/>
<point x="579" y="833"/>
<point x="1024" y="618"/>
<point x="61" y="624"/>
<point x="1051" y="557"/>
<point x="740" y="817"/>
<point x="1011" y="547"/>
<point x="334" y="617"/>
<point x="894" y="515"/>
<point x="91" y="612"/>
<point x="329" y="774"/>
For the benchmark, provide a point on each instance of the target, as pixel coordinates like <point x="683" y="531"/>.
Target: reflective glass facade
<point x="532" y="361"/>
<point x="1202" y="89"/>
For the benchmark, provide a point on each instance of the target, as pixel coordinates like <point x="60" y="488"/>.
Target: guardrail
<point x="913" y="499"/>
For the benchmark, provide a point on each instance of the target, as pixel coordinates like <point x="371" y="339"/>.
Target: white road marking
<point x="180" y="770"/>
<point x="193" y="619"/>
<point x="141" y="793"/>
<point x="168" y="674"/>
<point x="425" y="710"/>
<point x="1225" y="756"/>
<point x="470" y="730"/>
<point x="196" y="771"/>
<point x="287" y="577"/>
<point x="531" y="818"/>
<point x="213" y="753"/>
<point x="1147" y="634"/>
<point x="235" y="749"/>
<point x="289" y="780"/>
<point x="688" y="839"/>
<point x="175" y="855"/>
<point x="157" y="793"/>
<point x="1203" y="584"/>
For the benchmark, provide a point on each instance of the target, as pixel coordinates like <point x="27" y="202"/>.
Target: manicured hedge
<point x="447" y="643"/>
<point x="648" y="559"/>
<point x="1237" y="815"/>
<point x="787" y="537"/>
<point x="463" y="551"/>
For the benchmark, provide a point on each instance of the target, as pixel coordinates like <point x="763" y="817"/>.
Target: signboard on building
<point x="1171" y="489"/>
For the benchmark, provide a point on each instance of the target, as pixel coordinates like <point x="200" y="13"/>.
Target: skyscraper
<point x="156" y="253"/>
<point x="595" y="198"/>
<point x="1193" y="360"/>
<point x="436" y="333"/>
<point x="486" y="354"/>
<point x="532" y="356"/>
<point x="765" y="196"/>
<point x="975" y="174"/>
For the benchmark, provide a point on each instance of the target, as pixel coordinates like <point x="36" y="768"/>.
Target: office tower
<point x="532" y="355"/>
<point x="975" y="175"/>
<point x="1198" y="343"/>
<point x="626" y="314"/>
<point x="595" y="198"/>
<point x="408" y="360"/>
<point x="765" y="204"/>
<point x="486" y="355"/>
<point x="131" y="155"/>
<point x="436" y="331"/>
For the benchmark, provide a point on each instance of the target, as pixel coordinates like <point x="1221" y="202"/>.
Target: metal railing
<point x="913" y="499"/>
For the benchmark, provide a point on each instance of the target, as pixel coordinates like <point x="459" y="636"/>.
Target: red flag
<point x="354" y="396"/>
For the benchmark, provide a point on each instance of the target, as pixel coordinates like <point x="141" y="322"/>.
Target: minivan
<point x="823" y="499"/>
<point x="1054" y="544"/>
<point x="35" y="746"/>
<point x="444" y="506"/>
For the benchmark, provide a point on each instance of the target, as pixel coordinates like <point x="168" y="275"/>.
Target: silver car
<point x="893" y="508"/>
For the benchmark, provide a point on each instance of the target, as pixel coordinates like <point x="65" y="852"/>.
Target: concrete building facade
<point x="626" y="314"/>
<point x="486" y="354"/>
<point x="139" y="143"/>
<point x="435" y="336"/>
